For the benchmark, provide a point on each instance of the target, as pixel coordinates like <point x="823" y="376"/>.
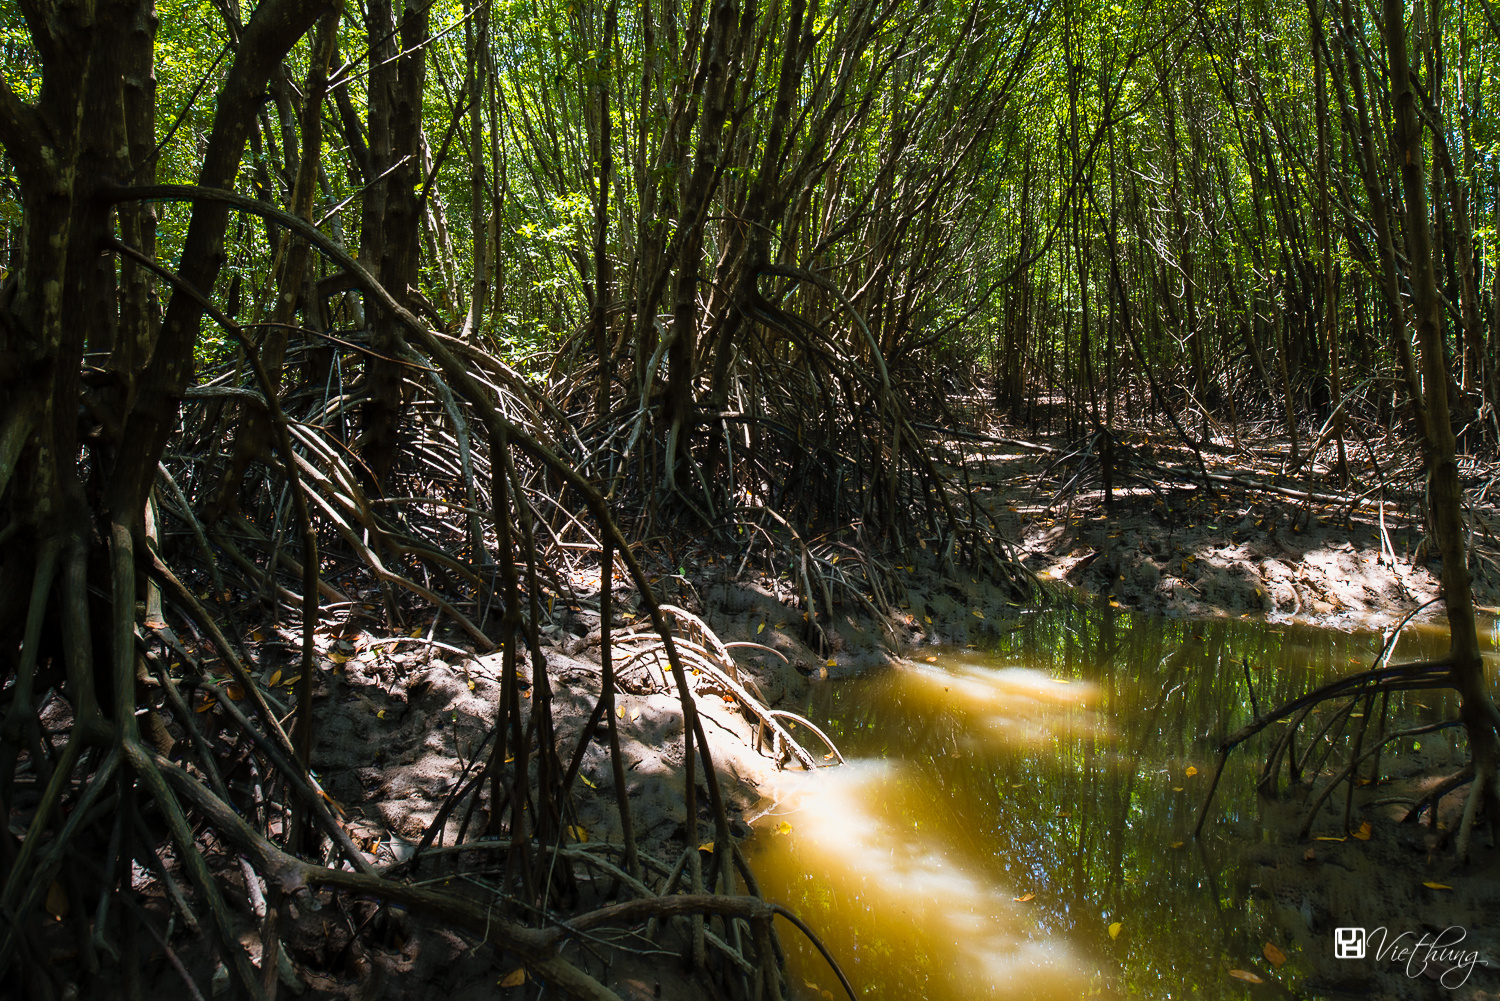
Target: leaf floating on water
<point x="1176" y="845"/>
<point x="515" y="978"/>
<point x="1177" y="788"/>
<point x="1246" y="976"/>
<point x="1363" y="833"/>
<point x="784" y="828"/>
<point x="1437" y="886"/>
<point x="1273" y="955"/>
<point x="1114" y="929"/>
<point x="1191" y="771"/>
<point x="1022" y="900"/>
<point x="931" y="660"/>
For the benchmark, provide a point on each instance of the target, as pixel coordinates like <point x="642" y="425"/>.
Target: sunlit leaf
<point x="1273" y="955"/>
<point x="635" y="713"/>
<point x="784" y="828"/>
<point x="1114" y="929"/>
<point x="515" y="978"/>
<point x="620" y="712"/>
<point x="1023" y="899"/>
<point x="1246" y="976"/>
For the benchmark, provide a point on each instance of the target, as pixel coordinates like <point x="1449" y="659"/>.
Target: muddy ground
<point x="401" y="720"/>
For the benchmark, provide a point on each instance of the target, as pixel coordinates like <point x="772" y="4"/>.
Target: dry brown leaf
<point x="1363" y="833"/>
<point x="1273" y="954"/>
<point x="1246" y="976"/>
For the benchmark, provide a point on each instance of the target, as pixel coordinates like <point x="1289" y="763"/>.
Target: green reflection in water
<point x="1057" y="763"/>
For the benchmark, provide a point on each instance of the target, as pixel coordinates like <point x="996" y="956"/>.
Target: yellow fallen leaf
<point x="471" y="684"/>
<point x="620" y="712"/>
<point x="978" y="614"/>
<point x="1022" y="900"/>
<point x="1273" y="955"/>
<point x="1191" y="771"/>
<point x="760" y="628"/>
<point x="1324" y="837"/>
<point x="1114" y="604"/>
<point x="578" y="833"/>
<point x="416" y="631"/>
<point x="1364" y="831"/>
<point x="586" y="781"/>
<point x="380" y="714"/>
<point x="783" y="828"/>
<point x="832" y="662"/>
<point x="707" y="846"/>
<point x="635" y="713"/>
<point x="1114" y="929"/>
<point x="275" y="677"/>
<point x="289" y="682"/>
<point x="57" y="900"/>
<point x="1177" y="788"/>
<point x="931" y="660"/>
<point x="338" y="657"/>
<point x="928" y="618"/>
<point x="1176" y="844"/>
<point x="207" y="705"/>
<point x="256" y="635"/>
<point x="234" y="691"/>
<point x="1437" y="886"/>
<point x="515" y="978"/>
<point x="1246" y="976"/>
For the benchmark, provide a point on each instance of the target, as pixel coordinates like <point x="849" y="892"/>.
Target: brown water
<point x="1002" y="809"/>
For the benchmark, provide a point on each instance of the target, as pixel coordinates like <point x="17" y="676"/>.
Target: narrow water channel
<point x="1016" y="822"/>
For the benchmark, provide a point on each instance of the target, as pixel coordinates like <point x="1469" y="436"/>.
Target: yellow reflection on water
<point x="1014" y="706"/>
<point x="917" y="916"/>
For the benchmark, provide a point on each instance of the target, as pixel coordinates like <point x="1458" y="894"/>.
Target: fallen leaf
<point x="832" y="662"/>
<point x="707" y="846"/>
<point x="416" y="632"/>
<point x="635" y="713"/>
<point x="1177" y="788"/>
<point x="207" y="705"/>
<point x="1022" y="900"/>
<point x="1363" y="833"/>
<point x="57" y="900"/>
<point x="1437" y="886"/>
<point x="1273" y="955"/>
<point x="978" y="614"/>
<point x="1191" y="771"/>
<point x="234" y="691"/>
<point x="1114" y="929"/>
<point x="338" y="657"/>
<point x="586" y="781"/>
<point x="1246" y="976"/>
<point x="289" y="682"/>
<point x="620" y="712"/>
<point x="760" y="628"/>
<point x="931" y="660"/>
<point x="515" y="978"/>
<point x="275" y="677"/>
<point x="1176" y="844"/>
<point x="256" y="636"/>
<point x="578" y="833"/>
<point x="783" y="828"/>
<point x="1324" y="837"/>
